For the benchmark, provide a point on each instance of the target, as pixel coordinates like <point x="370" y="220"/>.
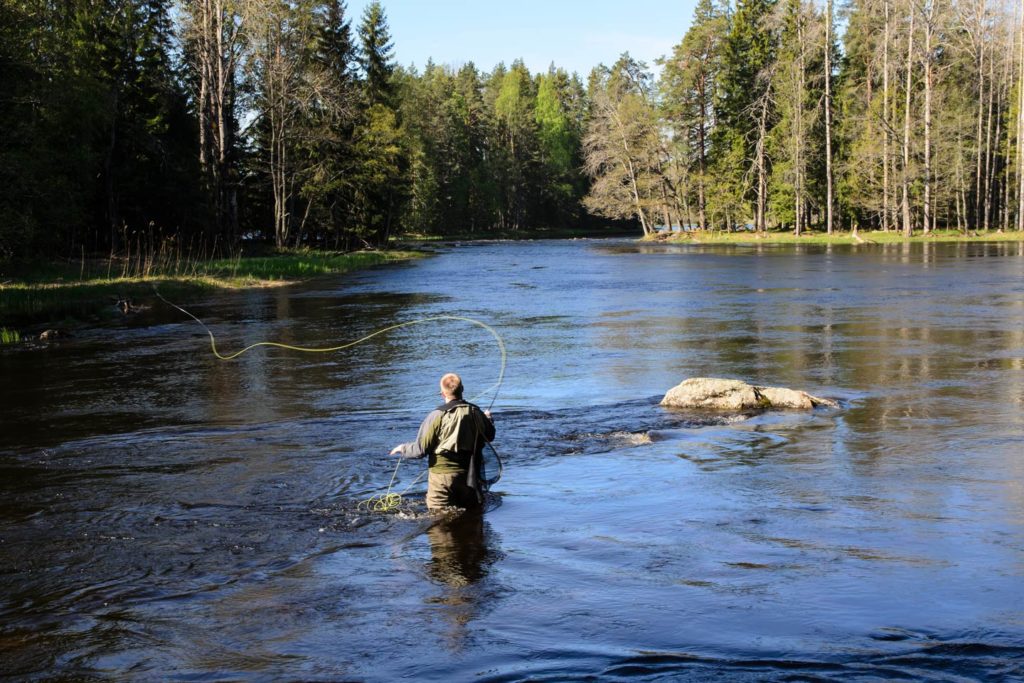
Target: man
<point x="453" y="436"/>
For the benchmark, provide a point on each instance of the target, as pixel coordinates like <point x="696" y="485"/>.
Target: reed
<point x="9" y="336"/>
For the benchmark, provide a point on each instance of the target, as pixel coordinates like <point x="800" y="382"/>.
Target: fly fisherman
<point x="453" y="437"/>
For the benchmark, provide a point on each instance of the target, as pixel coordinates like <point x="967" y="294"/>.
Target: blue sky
<point x="574" y="34"/>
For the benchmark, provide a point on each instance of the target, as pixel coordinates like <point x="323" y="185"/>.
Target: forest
<point x="211" y="123"/>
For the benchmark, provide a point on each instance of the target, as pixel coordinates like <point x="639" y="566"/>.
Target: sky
<point x="576" y="35"/>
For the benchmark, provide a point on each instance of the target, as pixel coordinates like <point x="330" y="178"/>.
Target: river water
<point x="168" y="516"/>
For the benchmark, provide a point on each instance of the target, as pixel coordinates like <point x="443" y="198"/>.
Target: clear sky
<point x="574" y="34"/>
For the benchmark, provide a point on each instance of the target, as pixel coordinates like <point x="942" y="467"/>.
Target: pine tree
<point x="516" y="129"/>
<point x="381" y="160"/>
<point x="330" y="123"/>
<point x="689" y="83"/>
<point x="557" y="146"/>
<point x="863" y="99"/>
<point x="376" y="55"/>
<point x="744" y="112"/>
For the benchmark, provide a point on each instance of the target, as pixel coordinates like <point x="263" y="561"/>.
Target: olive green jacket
<point x="452" y="436"/>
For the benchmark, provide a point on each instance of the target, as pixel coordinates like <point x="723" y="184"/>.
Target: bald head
<point x="451" y="386"/>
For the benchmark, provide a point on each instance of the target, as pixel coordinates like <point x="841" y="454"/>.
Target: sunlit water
<point x="165" y="515"/>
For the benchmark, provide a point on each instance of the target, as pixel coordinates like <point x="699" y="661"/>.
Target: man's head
<point x="451" y="386"/>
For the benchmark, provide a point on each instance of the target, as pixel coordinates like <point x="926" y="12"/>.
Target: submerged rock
<point x="710" y="393"/>
<point x="52" y="335"/>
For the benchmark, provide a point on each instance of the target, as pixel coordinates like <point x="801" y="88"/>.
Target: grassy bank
<point x="872" y="237"/>
<point x="36" y="294"/>
<point x="546" y="233"/>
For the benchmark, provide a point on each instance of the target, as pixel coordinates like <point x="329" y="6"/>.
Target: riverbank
<point x="34" y="295"/>
<point x="527" y="234"/>
<point x="862" y="237"/>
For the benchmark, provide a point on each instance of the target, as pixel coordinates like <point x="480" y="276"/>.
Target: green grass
<point x="53" y="292"/>
<point x="9" y="336"/>
<point x="290" y="266"/>
<point x="872" y="237"/>
<point x="552" y="232"/>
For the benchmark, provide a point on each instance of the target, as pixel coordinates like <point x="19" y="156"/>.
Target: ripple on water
<point x="193" y="519"/>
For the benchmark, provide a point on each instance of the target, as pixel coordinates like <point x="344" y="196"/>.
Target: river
<point x="168" y="516"/>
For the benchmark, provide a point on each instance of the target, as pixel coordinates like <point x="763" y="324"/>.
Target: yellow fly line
<point x="387" y="501"/>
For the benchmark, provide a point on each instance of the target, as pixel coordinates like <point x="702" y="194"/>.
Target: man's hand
<point x="487" y="413"/>
<point x="396" y="450"/>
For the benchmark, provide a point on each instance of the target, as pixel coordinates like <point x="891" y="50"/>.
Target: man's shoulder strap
<point x="459" y="403"/>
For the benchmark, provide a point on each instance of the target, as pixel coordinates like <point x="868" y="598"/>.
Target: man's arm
<point x="488" y="426"/>
<point x="426" y="438"/>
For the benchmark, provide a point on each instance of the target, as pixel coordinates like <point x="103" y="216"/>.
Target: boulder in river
<point x="710" y="393"/>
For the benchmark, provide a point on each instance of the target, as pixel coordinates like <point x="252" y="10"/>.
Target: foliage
<point x="622" y="144"/>
<point x="211" y="122"/>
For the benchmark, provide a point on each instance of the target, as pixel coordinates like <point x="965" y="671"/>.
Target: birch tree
<point x="621" y="144"/>
<point x="214" y="50"/>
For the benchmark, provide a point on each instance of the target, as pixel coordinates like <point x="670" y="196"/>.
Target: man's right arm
<point x="425" y="439"/>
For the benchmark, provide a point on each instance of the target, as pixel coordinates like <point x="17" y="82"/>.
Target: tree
<point x="516" y="144"/>
<point x="622" y="144"/>
<point x="558" y="144"/>
<point x="744" y="112"/>
<point x="287" y="82"/>
<point x="798" y="91"/>
<point x="688" y="85"/>
<point x="828" y="49"/>
<point x="213" y="49"/>
<point x="376" y="55"/>
<point x="328" y="124"/>
<point x="864" y="100"/>
<point x="380" y="179"/>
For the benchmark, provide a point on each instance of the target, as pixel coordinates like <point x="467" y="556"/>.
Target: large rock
<point x="709" y="393"/>
<point x="712" y="394"/>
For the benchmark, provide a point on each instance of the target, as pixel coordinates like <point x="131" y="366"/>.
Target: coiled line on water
<point x="387" y="501"/>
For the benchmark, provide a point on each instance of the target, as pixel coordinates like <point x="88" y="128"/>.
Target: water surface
<point x="165" y="515"/>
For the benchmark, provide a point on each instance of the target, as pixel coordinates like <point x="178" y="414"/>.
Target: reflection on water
<point x="458" y="554"/>
<point x="164" y="515"/>
<point x="462" y="550"/>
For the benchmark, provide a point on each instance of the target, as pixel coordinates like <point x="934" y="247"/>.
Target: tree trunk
<point x="908" y="227"/>
<point x="215" y="41"/>
<point x="1020" y="129"/>
<point x="760" y="219"/>
<point x="886" y="120"/>
<point x="989" y="152"/>
<point x="702" y="158"/>
<point x="929" y="18"/>
<point x="798" y="140"/>
<point x="981" y="118"/>
<point x="828" y="117"/>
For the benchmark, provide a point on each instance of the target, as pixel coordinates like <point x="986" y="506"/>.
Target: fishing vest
<point x="459" y="431"/>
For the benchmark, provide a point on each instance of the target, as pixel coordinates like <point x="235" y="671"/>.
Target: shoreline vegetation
<point x="836" y="238"/>
<point x="66" y="293"/>
<point x="36" y="296"/>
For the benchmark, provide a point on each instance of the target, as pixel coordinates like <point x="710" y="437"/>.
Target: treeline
<point x="205" y="122"/>
<point x="759" y="119"/>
